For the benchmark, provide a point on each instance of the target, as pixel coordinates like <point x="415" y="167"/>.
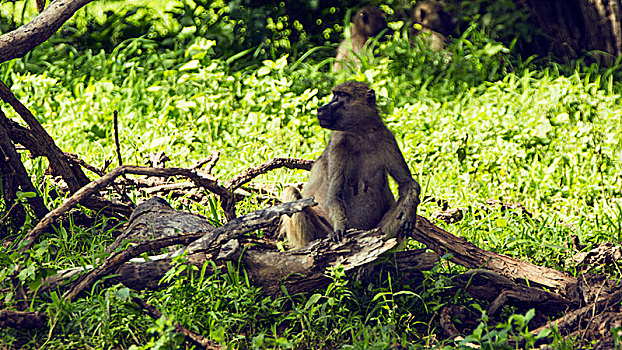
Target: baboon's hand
<point x="340" y="229"/>
<point x="406" y="228"/>
<point x="337" y="235"/>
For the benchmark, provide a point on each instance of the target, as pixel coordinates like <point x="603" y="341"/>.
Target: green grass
<point x="476" y="126"/>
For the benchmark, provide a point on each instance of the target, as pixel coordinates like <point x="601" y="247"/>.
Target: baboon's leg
<point x="400" y="220"/>
<point x="303" y="227"/>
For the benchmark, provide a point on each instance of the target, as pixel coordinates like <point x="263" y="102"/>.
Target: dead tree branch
<point x="572" y="320"/>
<point x="468" y="255"/>
<point x="23" y="39"/>
<point x="71" y="173"/>
<point x="22" y="319"/>
<point x="117" y="259"/>
<point x="274" y="163"/>
<point x="96" y="185"/>
<point x="209" y="160"/>
<point x="14" y="175"/>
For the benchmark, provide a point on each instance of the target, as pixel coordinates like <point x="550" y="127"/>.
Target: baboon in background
<point x="367" y="23"/>
<point x="349" y="180"/>
<point x="436" y="23"/>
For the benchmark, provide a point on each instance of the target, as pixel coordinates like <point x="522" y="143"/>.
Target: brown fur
<point x="435" y="22"/>
<point x="367" y="23"/>
<point x="350" y="179"/>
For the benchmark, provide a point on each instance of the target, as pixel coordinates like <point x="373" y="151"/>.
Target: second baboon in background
<point x="350" y="179"/>
<point x="435" y="22"/>
<point x="367" y="23"/>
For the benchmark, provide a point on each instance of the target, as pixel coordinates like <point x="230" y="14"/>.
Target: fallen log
<point x="298" y="271"/>
<point x="469" y="255"/>
<point x="22" y="319"/>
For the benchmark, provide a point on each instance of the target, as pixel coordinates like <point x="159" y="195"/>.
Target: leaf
<point x="501" y="222"/>
<point x="123" y="294"/>
<point x="263" y="71"/>
<point x="193" y="64"/>
<point x="312" y="300"/>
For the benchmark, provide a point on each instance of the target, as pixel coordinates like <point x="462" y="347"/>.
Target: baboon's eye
<point x="340" y="95"/>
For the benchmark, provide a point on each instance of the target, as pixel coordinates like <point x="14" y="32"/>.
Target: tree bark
<point x="23" y="39"/>
<point x="21" y="319"/>
<point x="574" y="27"/>
<point x="15" y="177"/>
<point x="468" y="255"/>
<point x="71" y="172"/>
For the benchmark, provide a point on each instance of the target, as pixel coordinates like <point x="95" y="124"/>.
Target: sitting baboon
<point x="367" y="23"/>
<point x="436" y="24"/>
<point x="349" y="180"/>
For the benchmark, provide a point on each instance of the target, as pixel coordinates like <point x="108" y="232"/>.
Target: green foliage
<point x="243" y="77"/>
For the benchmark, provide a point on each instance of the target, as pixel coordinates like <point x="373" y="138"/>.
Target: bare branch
<point x="469" y="255"/>
<point x="23" y="39"/>
<point x="71" y="173"/>
<point x="274" y="163"/>
<point x="14" y="173"/>
<point x="96" y="185"/>
<point x="115" y="124"/>
<point x="209" y="160"/>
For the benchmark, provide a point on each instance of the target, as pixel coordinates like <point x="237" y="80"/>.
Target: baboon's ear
<point x="371" y="97"/>
<point x="423" y="14"/>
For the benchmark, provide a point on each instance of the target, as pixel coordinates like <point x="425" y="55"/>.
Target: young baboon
<point x="435" y="22"/>
<point x="349" y="180"/>
<point x="367" y="23"/>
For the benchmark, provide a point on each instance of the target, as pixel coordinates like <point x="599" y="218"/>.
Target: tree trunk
<point x="575" y="27"/>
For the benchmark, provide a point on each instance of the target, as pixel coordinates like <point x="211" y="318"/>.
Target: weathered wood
<point x="22" y="319"/>
<point x="14" y="173"/>
<point x="117" y="259"/>
<point x="301" y="270"/>
<point x="155" y="218"/>
<point x="468" y="255"/>
<point x="85" y="192"/>
<point x="71" y="173"/>
<point x="590" y="318"/>
<point x="500" y="290"/>
<point x="23" y="39"/>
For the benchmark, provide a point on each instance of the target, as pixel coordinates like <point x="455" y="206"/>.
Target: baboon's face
<point x="370" y="21"/>
<point x="353" y="106"/>
<point x="432" y="15"/>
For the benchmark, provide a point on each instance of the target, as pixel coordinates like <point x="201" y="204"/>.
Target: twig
<point x="572" y="319"/>
<point x="195" y="338"/>
<point x="209" y="160"/>
<point x="117" y="259"/>
<point x="74" y="158"/>
<point x="115" y="124"/>
<point x="86" y="191"/>
<point x="274" y="163"/>
<point x="170" y="187"/>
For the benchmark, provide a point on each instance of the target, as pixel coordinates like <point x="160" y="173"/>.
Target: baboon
<point x="367" y="23"/>
<point x="435" y="22"/>
<point x="349" y="180"/>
